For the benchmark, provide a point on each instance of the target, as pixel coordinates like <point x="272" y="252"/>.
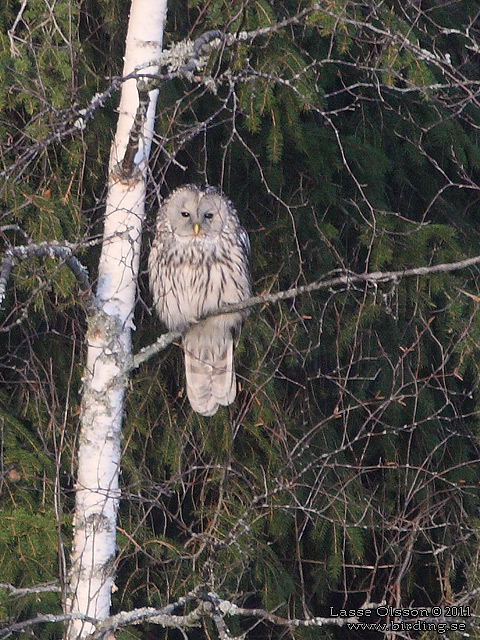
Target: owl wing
<point x="244" y="242"/>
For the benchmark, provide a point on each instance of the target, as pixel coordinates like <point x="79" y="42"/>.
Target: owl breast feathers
<point x="197" y="264"/>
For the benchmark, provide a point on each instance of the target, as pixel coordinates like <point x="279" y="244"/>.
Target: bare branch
<point x="163" y="617"/>
<point x="227" y="608"/>
<point x="51" y="249"/>
<point x="346" y="279"/>
<point x="11" y="32"/>
<point x="186" y="59"/>
<point x="46" y="617"/>
<point x="48" y="587"/>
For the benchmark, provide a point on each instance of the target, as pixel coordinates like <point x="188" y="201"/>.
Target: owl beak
<point x="196" y="229"/>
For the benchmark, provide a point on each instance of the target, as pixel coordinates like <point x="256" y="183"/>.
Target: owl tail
<point x="209" y="371"/>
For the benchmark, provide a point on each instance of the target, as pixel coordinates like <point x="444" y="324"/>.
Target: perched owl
<point x="197" y="264"/>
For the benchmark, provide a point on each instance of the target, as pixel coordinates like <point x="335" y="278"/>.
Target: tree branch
<point x="185" y="58"/>
<point x="46" y="617"/>
<point x="346" y="279"/>
<point x="48" y="587"/>
<point x="50" y="249"/>
<point x="227" y="608"/>
<point x="163" y="617"/>
<point x="209" y="604"/>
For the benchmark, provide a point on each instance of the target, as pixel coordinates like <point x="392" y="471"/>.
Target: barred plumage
<point x="197" y="264"/>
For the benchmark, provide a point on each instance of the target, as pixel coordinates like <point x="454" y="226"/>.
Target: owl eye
<point x="208" y="216"/>
<point x="185" y="214"/>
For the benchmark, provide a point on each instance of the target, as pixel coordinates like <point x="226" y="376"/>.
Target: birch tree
<point x="110" y="325"/>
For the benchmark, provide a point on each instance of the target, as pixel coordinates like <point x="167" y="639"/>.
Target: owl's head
<point x="196" y="212"/>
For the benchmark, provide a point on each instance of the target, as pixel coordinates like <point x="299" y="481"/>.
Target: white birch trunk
<point x="109" y="340"/>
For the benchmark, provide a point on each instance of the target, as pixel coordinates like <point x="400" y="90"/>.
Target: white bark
<point x="109" y="339"/>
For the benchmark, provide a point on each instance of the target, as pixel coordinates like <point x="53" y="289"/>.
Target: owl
<point x="198" y="263"/>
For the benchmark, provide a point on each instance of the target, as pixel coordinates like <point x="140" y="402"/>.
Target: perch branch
<point x="345" y="280"/>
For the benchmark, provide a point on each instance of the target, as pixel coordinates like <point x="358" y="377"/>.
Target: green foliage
<point x="21" y="449"/>
<point x="28" y="546"/>
<point x="30" y="530"/>
<point x="347" y="470"/>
